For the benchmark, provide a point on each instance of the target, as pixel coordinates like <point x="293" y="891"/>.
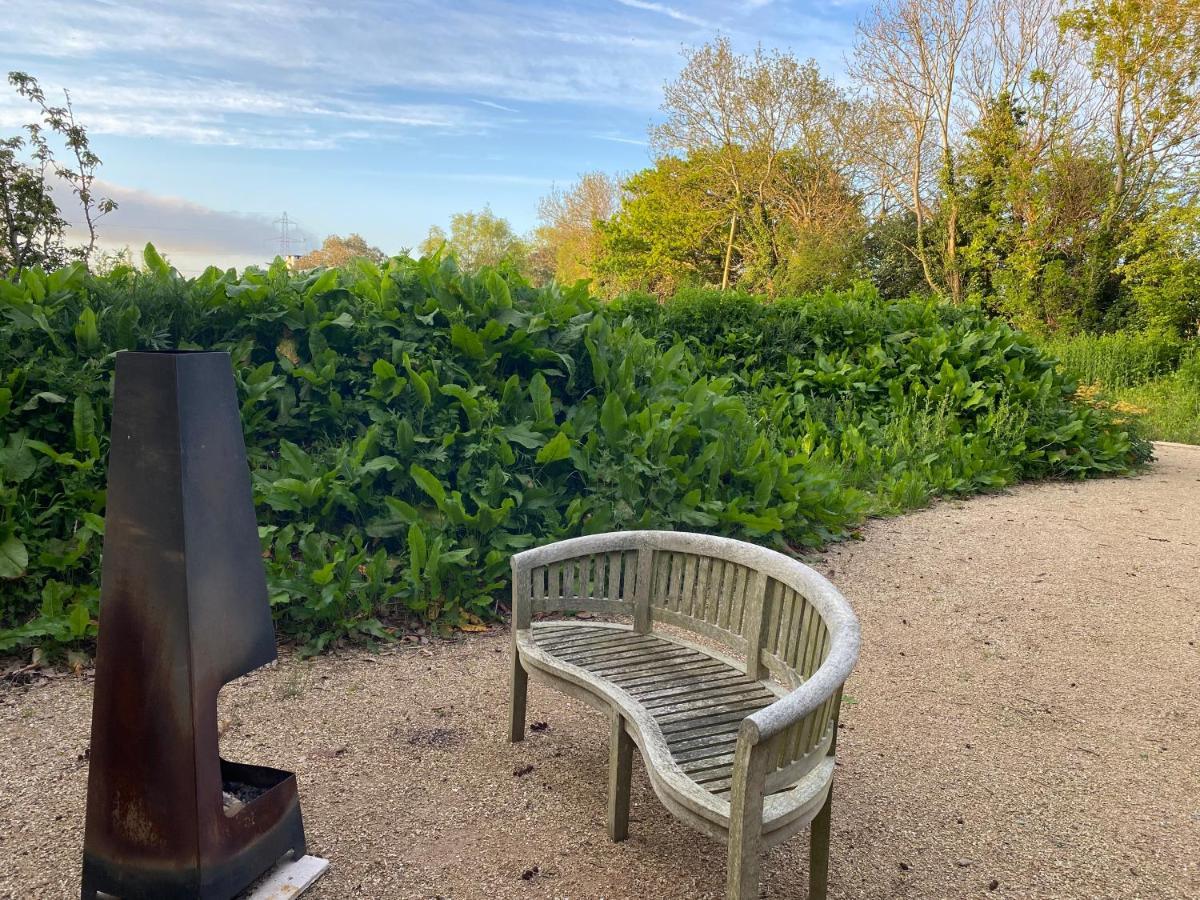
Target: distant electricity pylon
<point x="285" y="234"/>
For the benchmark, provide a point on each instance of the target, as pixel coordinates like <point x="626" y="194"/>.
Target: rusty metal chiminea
<point x="183" y="611"/>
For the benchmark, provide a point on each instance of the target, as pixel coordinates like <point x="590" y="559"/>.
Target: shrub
<point x="409" y="426"/>
<point x="904" y="399"/>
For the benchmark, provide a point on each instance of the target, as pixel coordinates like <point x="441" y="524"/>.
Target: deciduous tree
<point x="337" y="251"/>
<point x="33" y="226"/>
<point x="744" y="114"/>
<point x="478" y="239"/>
<point x="567" y="242"/>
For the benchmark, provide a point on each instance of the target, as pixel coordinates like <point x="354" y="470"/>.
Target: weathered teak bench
<point x="741" y="749"/>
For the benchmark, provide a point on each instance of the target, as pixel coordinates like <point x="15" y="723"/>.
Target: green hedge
<point x="410" y="426"/>
<point x="903" y="399"/>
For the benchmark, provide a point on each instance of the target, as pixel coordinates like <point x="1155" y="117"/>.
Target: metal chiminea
<point x="183" y="611"/>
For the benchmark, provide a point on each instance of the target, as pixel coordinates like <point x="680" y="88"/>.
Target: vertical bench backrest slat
<point x="643" y="586"/>
<point x="720" y="599"/>
<point x="612" y="576"/>
<point x="754" y="622"/>
<point x="704" y="574"/>
<point x="693" y="587"/>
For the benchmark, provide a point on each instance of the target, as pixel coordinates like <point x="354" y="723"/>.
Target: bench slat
<point x="700" y="755"/>
<point x="691" y="723"/>
<point x="595" y="653"/>
<point x="622" y="665"/>
<point x="664" y="674"/>
<point x="663" y="706"/>
<point x="559" y="642"/>
<point x="709" y="737"/>
<point x="699" y="685"/>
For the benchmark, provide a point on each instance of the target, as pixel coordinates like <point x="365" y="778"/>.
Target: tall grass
<point x="1150" y="375"/>
<point x="1170" y="407"/>
<point x="1119" y="360"/>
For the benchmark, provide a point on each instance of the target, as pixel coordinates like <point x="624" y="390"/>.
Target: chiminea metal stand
<point x="183" y="611"/>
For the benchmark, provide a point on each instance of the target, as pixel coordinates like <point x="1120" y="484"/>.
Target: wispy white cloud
<point x="233" y="113"/>
<point x="669" y="11"/>
<point x="292" y="73"/>
<point x="493" y="105"/>
<point x="618" y="139"/>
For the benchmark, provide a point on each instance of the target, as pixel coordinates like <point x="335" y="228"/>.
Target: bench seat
<point x="682" y="704"/>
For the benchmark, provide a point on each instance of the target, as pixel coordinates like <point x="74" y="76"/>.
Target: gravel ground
<point x="1023" y="723"/>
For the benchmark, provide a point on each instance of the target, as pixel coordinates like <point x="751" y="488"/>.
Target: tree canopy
<point x="337" y="251"/>
<point x="478" y="239"/>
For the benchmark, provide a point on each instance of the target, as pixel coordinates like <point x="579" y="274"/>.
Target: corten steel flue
<point x="183" y="611"/>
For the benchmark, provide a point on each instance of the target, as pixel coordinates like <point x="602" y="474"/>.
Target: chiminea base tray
<point x="288" y="880"/>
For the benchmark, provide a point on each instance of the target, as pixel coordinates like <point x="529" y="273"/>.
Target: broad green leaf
<point x="558" y="447"/>
<point x="417" y="548"/>
<point x="522" y="434"/>
<point x="467" y="341"/>
<point x="13" y="556"/>
<point x="613" y="418"/>
<point x="17" y="462"/>
<point x="383" y="369"/>
<point x="539" y="392"/>
<point x="428" y="482"/>
<point x="419" y="384"/>
<point x="498" y="289"/>
<point x="87" y="335"/>
<point x="469" y="404"/>
<point x="84" y="424"/>
<point x="79" y="618"/>
<point x="155" y="263"/>
<point x="324" y="574"/>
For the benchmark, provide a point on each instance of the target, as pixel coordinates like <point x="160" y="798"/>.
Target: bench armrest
<point x="824" y="683"/>
<point x="758" y="760"/>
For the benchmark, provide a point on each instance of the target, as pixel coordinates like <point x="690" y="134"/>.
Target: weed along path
<point x="1024" y="722"/>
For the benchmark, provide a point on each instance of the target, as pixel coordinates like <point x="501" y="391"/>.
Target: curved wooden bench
<point x="738" y="741"/>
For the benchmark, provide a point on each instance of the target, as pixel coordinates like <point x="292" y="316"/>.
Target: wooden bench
<point x="738" y="741"/>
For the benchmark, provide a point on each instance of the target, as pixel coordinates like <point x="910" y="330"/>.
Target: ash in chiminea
<point x="235" y="795"/>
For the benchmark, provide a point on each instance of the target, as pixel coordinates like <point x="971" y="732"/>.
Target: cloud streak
<point x="669" y="11"/>
<point x="492" y="105"/>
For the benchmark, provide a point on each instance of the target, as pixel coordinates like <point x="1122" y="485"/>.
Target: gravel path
<point x="1024" y="722"/>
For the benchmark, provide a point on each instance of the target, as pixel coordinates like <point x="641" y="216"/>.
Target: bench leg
<point x="516" y="709"/>
<point x="744" y="868"/>
<point x="744" y="872"/>
<point x="818" y="854"/>
<point x="620" y="773"/>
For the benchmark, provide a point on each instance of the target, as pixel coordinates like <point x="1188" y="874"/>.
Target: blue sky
<point x="214" y="116"/>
